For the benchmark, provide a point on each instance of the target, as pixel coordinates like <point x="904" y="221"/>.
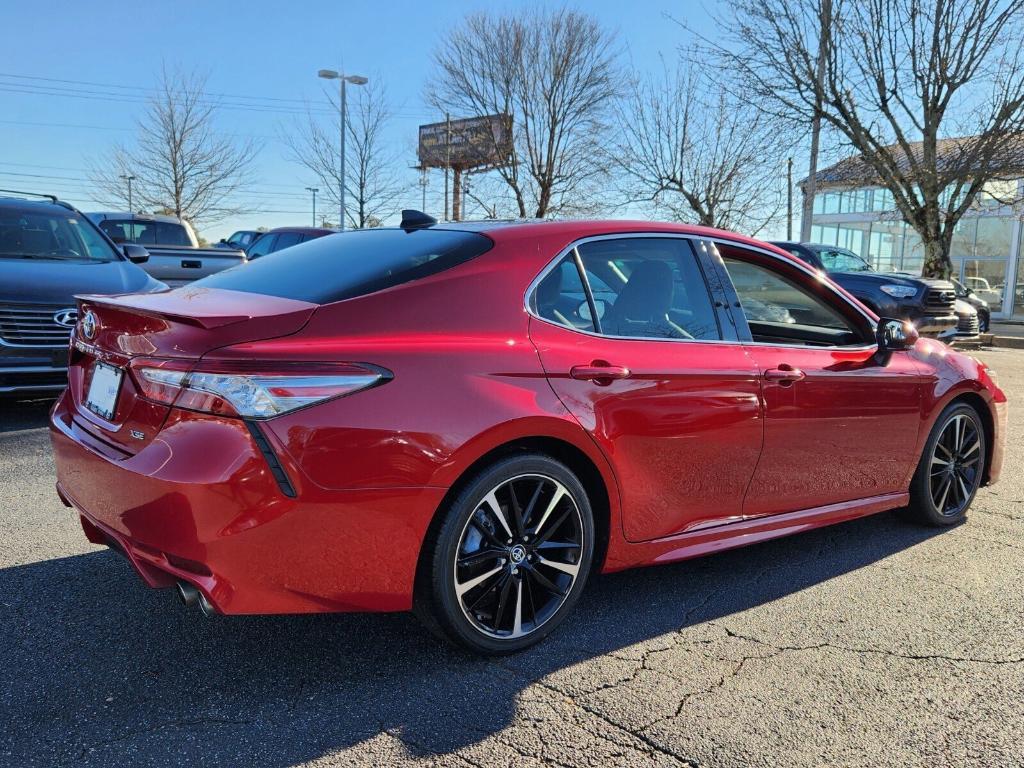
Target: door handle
<point x="191" y="264"/>
<point x="785" y="375"/>
<point x="599" y="372"/>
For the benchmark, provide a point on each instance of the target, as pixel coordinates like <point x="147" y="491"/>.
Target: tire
<point x="984" y="321"/>
<point x="496" y="583"/>
<point x="951" y="468"/>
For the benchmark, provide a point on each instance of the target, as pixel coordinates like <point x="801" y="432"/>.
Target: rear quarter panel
<point x="466" y="379"/>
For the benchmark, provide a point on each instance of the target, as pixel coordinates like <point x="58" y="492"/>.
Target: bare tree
<point x="929" y="95"/>
<point x="179" y="162"/>
<point x="691" y="149"/>
<point x="374" y="189"/>
<point x="555" y="73"/>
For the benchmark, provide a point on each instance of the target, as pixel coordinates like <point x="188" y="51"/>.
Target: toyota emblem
<point x="89" y="325"/>
<point x="66" y="318"/>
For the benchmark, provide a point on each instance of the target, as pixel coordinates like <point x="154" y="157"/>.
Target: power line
<point x="271" y="104"/>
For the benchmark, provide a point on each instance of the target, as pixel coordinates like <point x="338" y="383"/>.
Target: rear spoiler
<point x="201" y="307"/>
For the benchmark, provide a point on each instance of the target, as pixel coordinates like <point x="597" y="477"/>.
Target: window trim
<point x="725" y="329"/>
<point x="737" y="324"/>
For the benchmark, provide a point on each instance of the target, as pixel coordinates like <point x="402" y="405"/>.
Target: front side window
<point x="641" y="288"/>
<point x="779" y="310"/>
<point x="263" y="246"/>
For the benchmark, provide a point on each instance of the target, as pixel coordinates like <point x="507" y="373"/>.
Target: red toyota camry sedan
<point x="469" y="419"/>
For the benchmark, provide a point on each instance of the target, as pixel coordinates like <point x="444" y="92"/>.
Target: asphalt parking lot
<point x="870" y="643"/>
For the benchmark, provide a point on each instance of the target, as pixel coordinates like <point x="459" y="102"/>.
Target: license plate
<point x="103" y="390"/>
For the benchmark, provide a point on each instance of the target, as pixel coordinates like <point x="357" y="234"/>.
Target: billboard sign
<point x="467" y="143"/>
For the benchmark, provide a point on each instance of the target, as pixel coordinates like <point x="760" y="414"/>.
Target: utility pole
<point x="447" y="158"/>
<point x="129" y="179"/>
<point x="789" y="198"/>
<point x="314" y="190"/>
<point x="457" y="193"/>
<point x="824" y="36"/>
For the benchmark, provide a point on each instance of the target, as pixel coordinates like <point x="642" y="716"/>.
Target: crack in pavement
<point x="877" y="651"/>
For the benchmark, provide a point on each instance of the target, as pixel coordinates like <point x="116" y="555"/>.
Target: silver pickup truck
<point x="175" y="257"/>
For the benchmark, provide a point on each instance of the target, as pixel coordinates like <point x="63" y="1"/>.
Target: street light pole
<point x="129" y="179"/>
<point x="314" y="190"/>
<point x="330" y="74"/>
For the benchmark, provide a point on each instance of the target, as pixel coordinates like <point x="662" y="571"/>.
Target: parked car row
<point x="50" y="252"/>
<point x="38" y="312"/>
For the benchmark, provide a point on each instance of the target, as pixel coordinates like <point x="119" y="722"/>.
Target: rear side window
<point x="145" y="232"/>
<point x="351" y="264"/>
<point x="642" y="288"/>
<point x="287" y="240"/>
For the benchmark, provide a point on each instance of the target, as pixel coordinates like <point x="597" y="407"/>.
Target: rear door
<point x="841" y="423"/>
<point x="642" y="353"/>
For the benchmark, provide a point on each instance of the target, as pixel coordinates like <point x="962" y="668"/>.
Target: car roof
<point x="299" y="230"/>
<point x="578" y="228"/>
<point x="43" y="205"/>
<point x="136" y="216"/>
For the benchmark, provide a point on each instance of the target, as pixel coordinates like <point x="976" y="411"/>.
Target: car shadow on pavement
<point x="98" y="669"/>
<point x="16" y="415"/>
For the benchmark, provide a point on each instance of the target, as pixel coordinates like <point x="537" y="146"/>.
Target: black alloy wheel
<point x="951" y="469"/>
<point x="512" y="556"/>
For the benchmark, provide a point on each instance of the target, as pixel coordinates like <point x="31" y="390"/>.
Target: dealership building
<point x="988" y="245"/>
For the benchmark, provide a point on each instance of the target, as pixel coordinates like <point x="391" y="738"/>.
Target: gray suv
<point x="50" y="252"/>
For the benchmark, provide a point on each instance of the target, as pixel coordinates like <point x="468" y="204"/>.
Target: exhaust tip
<point x="188" y="594"/>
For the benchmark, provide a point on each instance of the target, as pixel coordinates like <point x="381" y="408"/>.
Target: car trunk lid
<point x="172" y="328"/>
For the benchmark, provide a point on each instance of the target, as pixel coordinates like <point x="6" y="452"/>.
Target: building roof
<point x="855" y="172"/>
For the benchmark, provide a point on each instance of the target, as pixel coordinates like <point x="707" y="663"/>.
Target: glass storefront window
<point x="831" y="203"/>
<point x="885" y="246"/>
<point x="963" y="238"/>
<point x="854" y="236"/>
<point x="913" y="253"/>
<point x="997" y="192"/>
<point x="882" y="200"/>
<point x="987" y="278"/>
<point x="994" y="236"/>
<point x="824" y="233"/>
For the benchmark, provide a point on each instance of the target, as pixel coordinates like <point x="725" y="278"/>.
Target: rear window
<point x="351" y="264"/>
<point x="145" y="232"/>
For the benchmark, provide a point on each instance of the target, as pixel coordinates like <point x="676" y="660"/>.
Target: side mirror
<point x="223" y="240"/>
<point x="136" y="254"/>
<point x="895" y="335"/>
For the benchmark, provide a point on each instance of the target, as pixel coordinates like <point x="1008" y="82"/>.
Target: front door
<point x="640" y="355"/>
<point x="840" y="422"/>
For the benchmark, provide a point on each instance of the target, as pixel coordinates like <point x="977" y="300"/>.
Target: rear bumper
<point x="200" y="504"/>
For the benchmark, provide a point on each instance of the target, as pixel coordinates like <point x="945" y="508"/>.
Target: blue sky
<point x="270" y="50"/>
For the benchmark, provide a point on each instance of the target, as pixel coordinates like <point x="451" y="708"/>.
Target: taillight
<point x="259" y="391"/>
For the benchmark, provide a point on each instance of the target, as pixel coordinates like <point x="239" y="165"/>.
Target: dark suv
<point x="929" y="304"/>
<point x="49" y="252"/>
